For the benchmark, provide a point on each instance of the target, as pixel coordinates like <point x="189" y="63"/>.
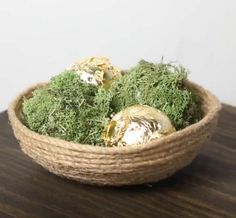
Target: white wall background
<point x="39" y="39"/>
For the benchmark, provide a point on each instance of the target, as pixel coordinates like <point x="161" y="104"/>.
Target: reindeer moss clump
<point x="75" y="111"/>
<point x="161" y="86"/>
<point x="69" y="109"/>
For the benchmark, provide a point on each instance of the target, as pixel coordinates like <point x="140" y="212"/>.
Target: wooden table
<point x="206" y="188"/>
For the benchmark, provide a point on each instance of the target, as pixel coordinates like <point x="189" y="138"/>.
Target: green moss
<point x="160" y="86"/>
<point x="68" y="109"/>
<point x="75" y="111"/>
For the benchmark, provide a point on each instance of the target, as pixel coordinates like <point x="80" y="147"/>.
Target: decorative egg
<point x="135" y="125"/>
<point x="95" y="70"/>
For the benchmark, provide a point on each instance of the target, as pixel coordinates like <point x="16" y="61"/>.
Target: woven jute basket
<point x="117" y="166"/>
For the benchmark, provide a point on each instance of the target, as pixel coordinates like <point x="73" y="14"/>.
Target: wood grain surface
<point x="205" y="188"/>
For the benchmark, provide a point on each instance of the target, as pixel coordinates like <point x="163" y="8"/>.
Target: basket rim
<point x="213" y="108"/>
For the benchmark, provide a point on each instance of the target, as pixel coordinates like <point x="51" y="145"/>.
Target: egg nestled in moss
<point x="95" y="70"/>
<point x="135" y="125"/>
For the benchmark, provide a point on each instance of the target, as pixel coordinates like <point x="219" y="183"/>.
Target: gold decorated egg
<point x="95" y="70"/>
<point x="135" y="125"/>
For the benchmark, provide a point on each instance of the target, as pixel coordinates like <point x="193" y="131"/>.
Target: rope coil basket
<point x="117" y="166"/>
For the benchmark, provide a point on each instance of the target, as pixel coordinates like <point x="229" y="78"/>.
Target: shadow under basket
<point x="117" y="166"/>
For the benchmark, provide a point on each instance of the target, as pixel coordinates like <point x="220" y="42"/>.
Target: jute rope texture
<point x="117" y="166"/>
